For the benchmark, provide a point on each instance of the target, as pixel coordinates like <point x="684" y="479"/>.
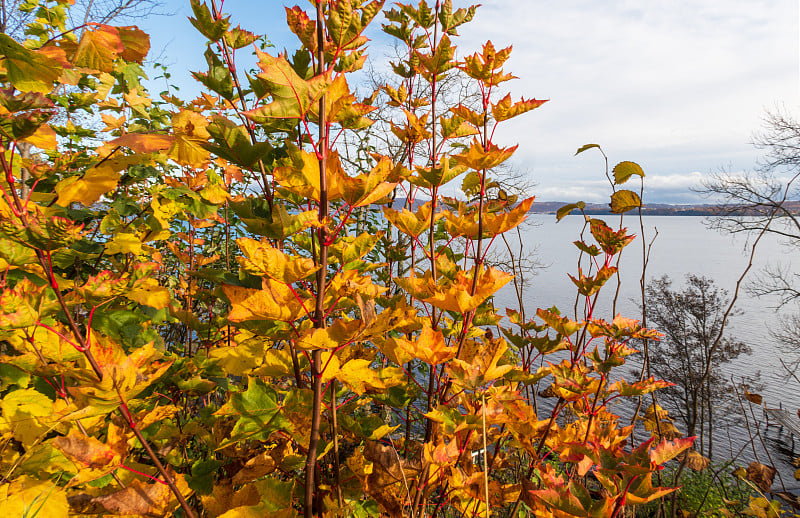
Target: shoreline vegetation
<point x="648" y="209"/>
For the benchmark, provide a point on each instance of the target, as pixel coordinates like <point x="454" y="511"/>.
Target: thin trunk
<point x="319" y="311"/>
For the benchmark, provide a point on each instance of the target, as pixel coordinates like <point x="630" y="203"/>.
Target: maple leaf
<point x="26" y="496"/>
<point x="98" y="48"/>
<point x="505" y="109"/>
<point x="143" y="498"/>
<point x="261" y="258"/>
<point x="303" y="27"/>
<point x="487" y="65"/>
<point x="27" y="70"/>
<point x="430" y="346"/>
<point x="88" y="188"/>
<point x="666" y="451"/>
<point x="455" y="295"/>
<point x="342" y="107"/>
<point x="292" y="96"/>
<point x="274" y="301"/>
<point x="135" y="43"/>
<point x="493" y="224"/>
<point x="139" y="142"/>
<point x="366" y="189"/>
<point x="93" y="457"/>
<point x="412" y="223"/>
<point x="360" y="377"/>
<point x="301" y="174"/>
<point x="478" y="158"/>
<point x="190" y="137"/>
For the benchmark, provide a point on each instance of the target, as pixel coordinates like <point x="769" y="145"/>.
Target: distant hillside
<point x="649" y="209"/>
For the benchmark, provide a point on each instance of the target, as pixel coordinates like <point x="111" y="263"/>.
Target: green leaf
<point x="203" y="472"/>
<point x="257" y="408"/>
<point x="10" y="375"/>
<point x="205" y="23"/>
<point x="624" y="200"/>
<point x="218" y="79"/>
<point x="591" y="250"/>
<point x="624" y="170"/>
<point x="566" y="209"/>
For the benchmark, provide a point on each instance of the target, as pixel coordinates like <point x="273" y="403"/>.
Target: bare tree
<point x="767" y="199"/>
<point x="691" y="318"/>
<point x="15" y="15"/>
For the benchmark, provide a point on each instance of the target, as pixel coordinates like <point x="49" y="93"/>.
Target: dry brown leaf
<point x="142" y="498"/>
<point x="761" y="475"/>
<point x="753" y="398"/>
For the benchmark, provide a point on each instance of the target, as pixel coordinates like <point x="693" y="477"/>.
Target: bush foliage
<point x="211" y="307"/>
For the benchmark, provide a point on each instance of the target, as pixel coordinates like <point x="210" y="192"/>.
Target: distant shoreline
<point x="659" y="209"/>
<point x="649" y="209"/>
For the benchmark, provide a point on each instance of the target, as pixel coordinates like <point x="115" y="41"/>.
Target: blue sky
<point x="677" y="86"/>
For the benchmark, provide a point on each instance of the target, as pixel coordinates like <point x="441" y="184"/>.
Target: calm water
<point x="683" y="245"/>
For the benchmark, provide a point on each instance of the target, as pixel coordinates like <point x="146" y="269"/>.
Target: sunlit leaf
<point x="624" y="170"/>
<point x="88" y="188"/>
<point x="27" y="70"/>
<point x="624" y="200"/>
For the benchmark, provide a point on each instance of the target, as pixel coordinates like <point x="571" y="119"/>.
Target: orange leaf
<point x="478" y="158"/>
<point x="504" y="109"/>
<point x="141" y="142"/>
<point x="88" y="451"/>
<point x="430" y="346"/>
<point x="135" y="43"/>
<point x="666" y="451"/>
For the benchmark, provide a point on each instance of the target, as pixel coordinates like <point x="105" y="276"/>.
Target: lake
<point x="683" y="245"/>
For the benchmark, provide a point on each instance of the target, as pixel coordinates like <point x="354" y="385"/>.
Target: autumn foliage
<point x="210" y="308"/>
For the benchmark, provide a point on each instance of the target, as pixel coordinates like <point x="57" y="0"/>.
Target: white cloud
<point x="675" y="85"/>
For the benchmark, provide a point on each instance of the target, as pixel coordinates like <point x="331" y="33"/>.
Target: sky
<point x="677" y="86"/>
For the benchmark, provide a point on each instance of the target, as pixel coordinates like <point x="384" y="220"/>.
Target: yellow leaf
<point x="478" y="158"/>
<point x="148" y="293"/>
<point x="215" y="194"/>
<point x="88" y="451"/>
<point x="88" y="188"/>
<point x="143" y="498"/>
<point x="274" y="301"/>
<point x="112" y="123"/>
<point x="301" y="174"/>
<point x="366" y="189"/>
<point x="98" y="49"/>
<point x="124" y="243"/>
<point x="341" y="332"/>
<point x="190" y="135"/>
<point x="412" y="223"/>
<point x="26" y="496"/>
<point x="139" y="142"/>
<point x="261" y="258"/>
<point x="455" y="295"/>
<point x="359" y="377"/>
<point x="24" y="414"/>
<point x="466" y="222"/>
<point x="505" y="109"/>
<point x="43" y="138"/>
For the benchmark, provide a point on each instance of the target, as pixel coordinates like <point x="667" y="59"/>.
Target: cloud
<point x="677" y="85"/>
